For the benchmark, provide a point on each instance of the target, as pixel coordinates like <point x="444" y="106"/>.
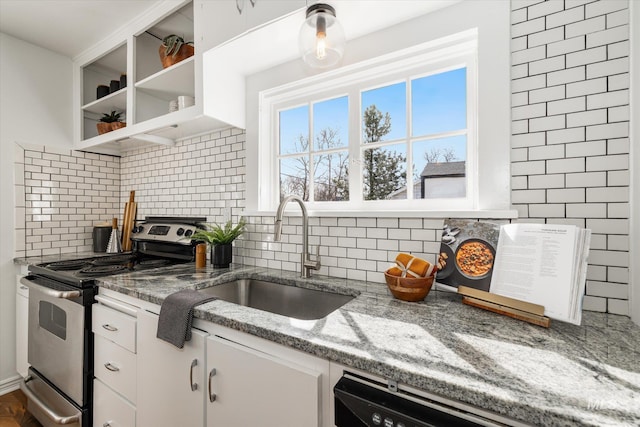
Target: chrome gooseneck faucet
<point x="306" y="264"/>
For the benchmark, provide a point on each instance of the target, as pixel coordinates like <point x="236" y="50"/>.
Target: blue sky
<point x="438" y="105"/>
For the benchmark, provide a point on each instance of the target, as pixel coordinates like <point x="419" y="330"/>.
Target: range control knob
<point x="180" y="231"/>
<point x="139" y="229"/>
<point x="376" y="418"/>
<point x="188" y="233"/>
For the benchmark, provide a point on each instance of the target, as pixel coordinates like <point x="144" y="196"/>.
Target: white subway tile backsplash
<point x="611" y="130"/>
<point x="546" y="152"/>
<point x="604" y="7"/>
<point x="612" y="35"/>
<point x="618" y="18"/>
<point x="572" y="44"/>
<point x="618" y="50"/>
<point x="570" y="105"/>
<point x="529" y="83"/>
<point x="608" y="194"/>
<point x="547" y="123"/>
<point x="546" y="65"/>
<point x="544" y="8"/>
<point x="546" y="181"/>
<point x="566" y="195"/>
<point x="547" y="94"/>
<point x="588" y="56"/>
<point x="527" y="27"/>
<point x="569" y="75"/>
<point x="584" y="149"/>
<point x="586" y="180"/>
<point x="587" y="87"/>
<point x="587" y="118"/>
<point x="529" y="111"/>
<point x="565" y="17"/>
<point x="608" y="68"/>
<point x="572" y="165"/>
<point x="545" y="37"/>
<point x="588" y="26"/>
<point x="618" y="306"/>
<point x="586" y="210"/>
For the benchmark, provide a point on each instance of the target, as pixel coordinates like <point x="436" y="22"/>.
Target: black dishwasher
<point x="360" y="402"/>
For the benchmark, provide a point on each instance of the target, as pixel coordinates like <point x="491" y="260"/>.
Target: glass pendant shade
<point x="321" y="37"/>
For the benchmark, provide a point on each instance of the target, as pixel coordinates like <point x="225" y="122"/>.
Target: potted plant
<point x="174" y="49"/>
<point x="220" y="239"/>
<point x="110" y="121"/>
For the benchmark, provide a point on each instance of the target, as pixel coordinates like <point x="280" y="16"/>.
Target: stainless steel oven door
<point x="56" y="335"/>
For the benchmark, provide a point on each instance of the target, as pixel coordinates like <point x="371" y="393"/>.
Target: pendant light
<point x="321" y="37"/>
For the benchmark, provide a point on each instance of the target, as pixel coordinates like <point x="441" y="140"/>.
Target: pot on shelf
<point x="117" y="125"/>
<point x="103" y="127"/>
<point x="185" y="51"/>
<point x="221" y="255"/>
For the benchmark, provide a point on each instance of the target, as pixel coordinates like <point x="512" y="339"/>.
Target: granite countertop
<point x="564" y="375"/>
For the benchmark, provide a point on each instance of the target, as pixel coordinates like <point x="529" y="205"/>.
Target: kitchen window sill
<point x="479" y="214"/>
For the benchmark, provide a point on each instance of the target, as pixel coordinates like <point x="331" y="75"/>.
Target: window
<point x="399" y="133"/>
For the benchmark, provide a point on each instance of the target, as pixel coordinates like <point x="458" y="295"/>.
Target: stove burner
<point x="101" y="270"/>
<point x="73" y="264"/>
<point x="151" y="263"/>
<point x="113" y="259"/>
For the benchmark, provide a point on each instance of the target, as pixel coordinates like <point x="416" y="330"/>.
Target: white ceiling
<point x="70" y="27"/>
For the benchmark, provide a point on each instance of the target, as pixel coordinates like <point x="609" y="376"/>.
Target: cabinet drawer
<point x="116" y="367"/>
<point x="115" y="326"/>
<point x="110" y="409"/>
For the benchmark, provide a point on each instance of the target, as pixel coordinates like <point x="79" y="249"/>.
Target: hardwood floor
<point x="13" y="411"/>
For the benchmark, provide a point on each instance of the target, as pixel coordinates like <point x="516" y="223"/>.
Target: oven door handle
<point x="48" y="291"/>
<point x="57" y="419"/>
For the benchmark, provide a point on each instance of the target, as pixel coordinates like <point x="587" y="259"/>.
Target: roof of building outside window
<point x="442" y="169"/>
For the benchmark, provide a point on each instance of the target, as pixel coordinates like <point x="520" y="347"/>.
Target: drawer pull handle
<point x="111" y="367"/>
<point x="108" y="327"/>
<point x="194" y="386"/>
<point x="212" y="396"/>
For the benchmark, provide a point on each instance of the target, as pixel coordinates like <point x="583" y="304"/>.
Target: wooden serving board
<point x="128" y="219"/>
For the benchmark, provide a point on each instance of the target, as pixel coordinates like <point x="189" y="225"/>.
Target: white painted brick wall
<point x="571" y="164"/>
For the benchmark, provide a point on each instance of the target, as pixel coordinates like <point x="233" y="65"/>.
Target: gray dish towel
<point x="176" y="316"/>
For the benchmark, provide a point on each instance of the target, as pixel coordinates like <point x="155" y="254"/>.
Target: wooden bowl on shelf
<point x="410" y="289"/>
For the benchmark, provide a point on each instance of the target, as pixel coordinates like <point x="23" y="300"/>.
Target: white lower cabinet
<point x="248" y="387"/>
<point x="110" y="409"/>
<point x="220" y="378"/>
<point x="171" y="381"/>
<point x="115" y="364"/>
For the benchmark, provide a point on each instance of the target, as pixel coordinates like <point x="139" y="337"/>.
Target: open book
<point x="544" y="264"/>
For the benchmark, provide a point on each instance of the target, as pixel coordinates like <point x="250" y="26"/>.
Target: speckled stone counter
<point x="563" y="376"/>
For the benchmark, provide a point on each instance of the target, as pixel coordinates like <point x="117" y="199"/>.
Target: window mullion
<point x="310" y="154"/>
<point x="355" y="152"/>
<point x="410" y="184"/>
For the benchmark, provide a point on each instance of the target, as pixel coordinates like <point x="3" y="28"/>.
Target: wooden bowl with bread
<point x="410" y="289"/>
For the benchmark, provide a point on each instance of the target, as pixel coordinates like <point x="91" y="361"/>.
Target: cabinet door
<point x="171" y="384"/>
<point x="221" y="21"/>
<point x="251" y="388"/>
<point x="266" y="11"/>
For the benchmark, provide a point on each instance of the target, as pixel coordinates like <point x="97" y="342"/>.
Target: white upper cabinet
<point x="144" y="102"/>
<point x="232" y="18"/>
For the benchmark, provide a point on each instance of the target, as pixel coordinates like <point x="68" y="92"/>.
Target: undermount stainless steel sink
<point x="290" y="301"/>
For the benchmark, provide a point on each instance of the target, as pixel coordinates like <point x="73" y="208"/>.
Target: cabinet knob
<point x="212" y="396"/>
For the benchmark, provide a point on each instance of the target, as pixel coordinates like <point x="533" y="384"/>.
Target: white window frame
<point x="459" y="50"/>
